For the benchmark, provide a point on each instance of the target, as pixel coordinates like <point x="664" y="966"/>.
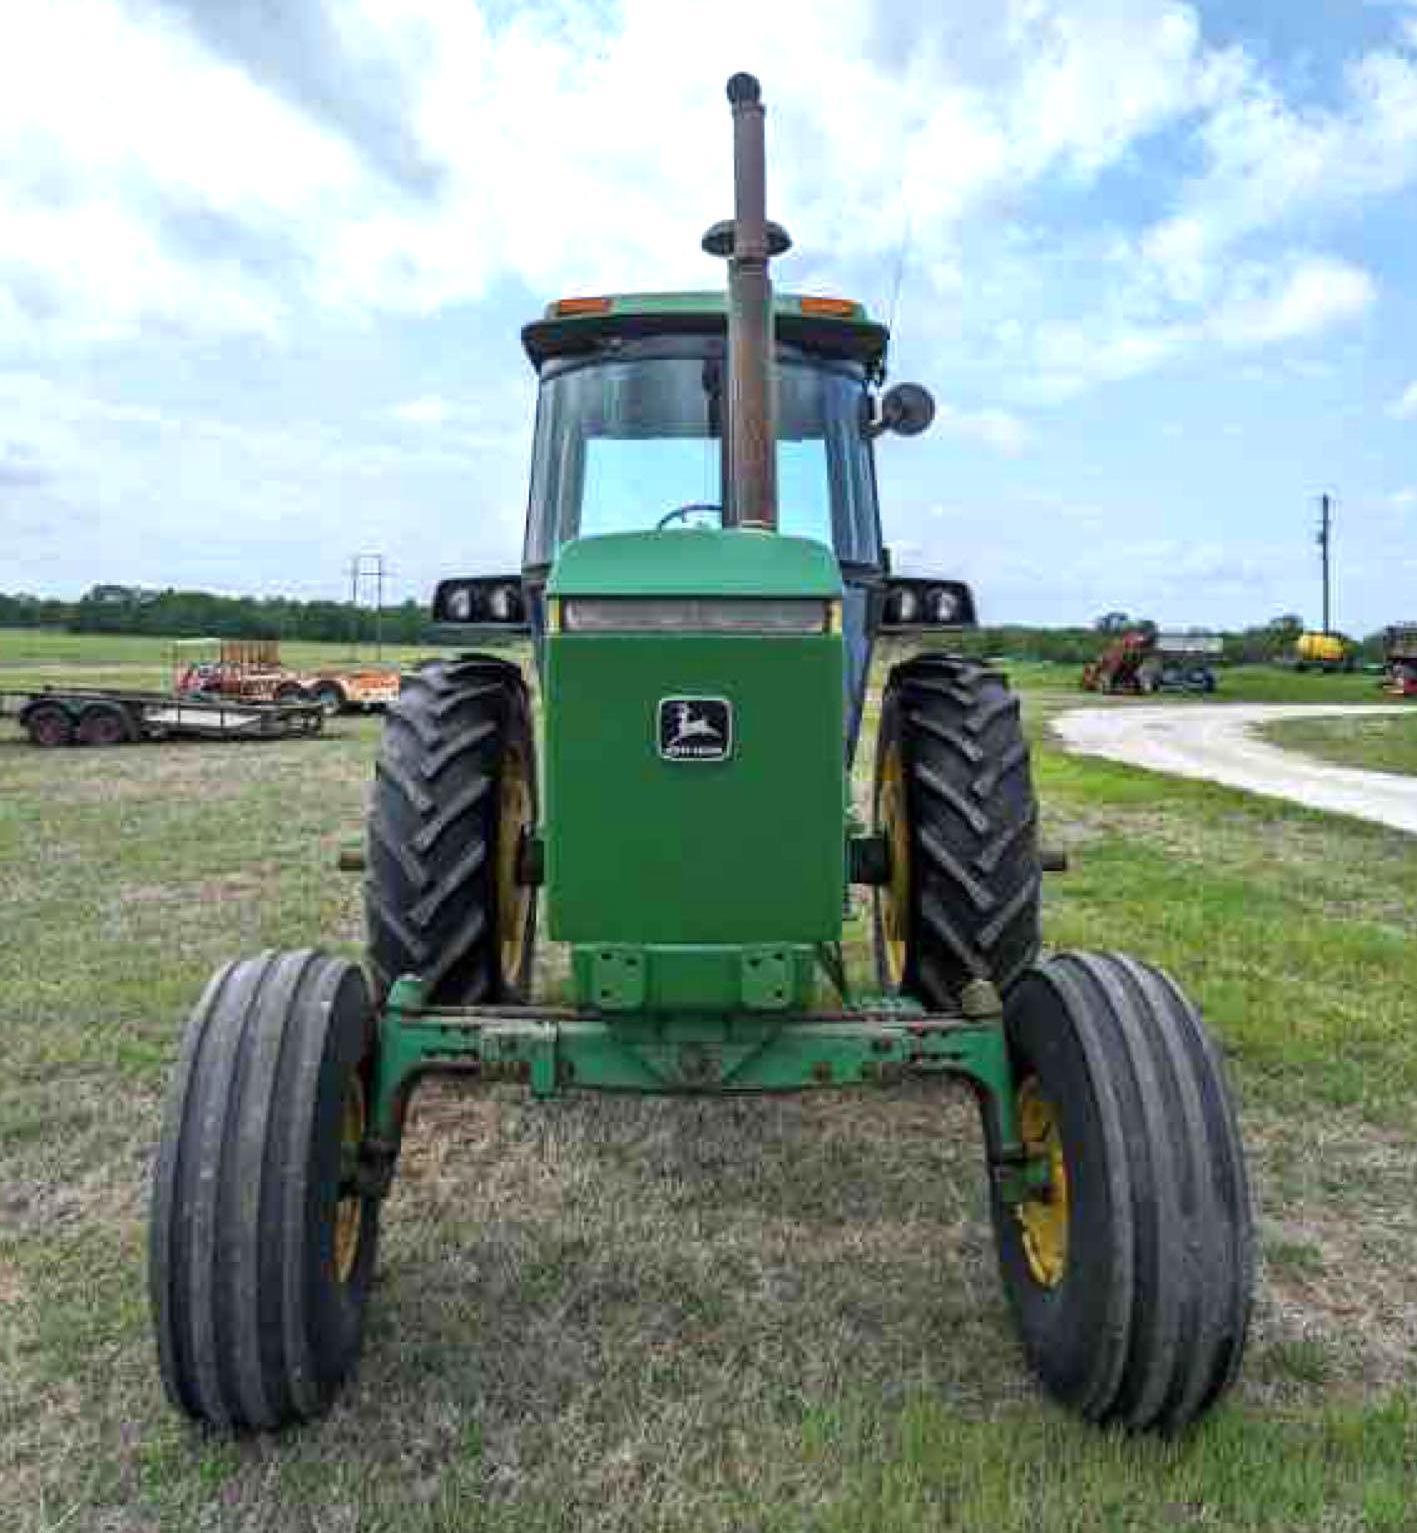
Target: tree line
<point x="191" y="614"/>
<point x="199" y="614"/>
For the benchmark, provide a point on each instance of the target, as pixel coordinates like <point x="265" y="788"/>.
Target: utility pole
<point x="1325" y="535"/>
<point x="366" y="567"/>
<point x="354" y="607"/>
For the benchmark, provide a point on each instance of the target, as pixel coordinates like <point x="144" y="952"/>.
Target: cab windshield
<point x="635" y="442"/>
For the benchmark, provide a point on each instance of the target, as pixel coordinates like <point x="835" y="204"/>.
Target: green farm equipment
<point x="703" y="582"/>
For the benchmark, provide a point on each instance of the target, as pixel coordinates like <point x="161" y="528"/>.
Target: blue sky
<point x="262" y="270"/>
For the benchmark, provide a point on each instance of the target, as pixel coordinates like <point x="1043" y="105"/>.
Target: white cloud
<point x="575" y="167"/>
<point x="1404" y="407"/>
<point x="1267" y="163"/>
<point x="427" y="410"/>
<point x="997" y="429"/>
<point x="1402" y="499"/>
<point x="1312" y="296"/>
<point x="561" y="164"/>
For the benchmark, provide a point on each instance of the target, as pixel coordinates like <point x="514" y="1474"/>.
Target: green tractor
<point x="703" y="582"/>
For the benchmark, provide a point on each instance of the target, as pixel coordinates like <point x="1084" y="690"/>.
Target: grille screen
<point x="688" y="614"/>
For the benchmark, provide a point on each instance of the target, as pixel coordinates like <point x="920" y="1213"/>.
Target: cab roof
<point x="832" y="327"/>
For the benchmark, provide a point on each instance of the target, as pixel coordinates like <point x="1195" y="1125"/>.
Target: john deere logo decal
<point x="695" y="728"/>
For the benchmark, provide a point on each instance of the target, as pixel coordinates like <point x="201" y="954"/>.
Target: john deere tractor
<point x="703" y="582"/>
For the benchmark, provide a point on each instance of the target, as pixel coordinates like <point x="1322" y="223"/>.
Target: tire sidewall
<point x="334" y="1310"/>
<point x="1062" y="1327"/>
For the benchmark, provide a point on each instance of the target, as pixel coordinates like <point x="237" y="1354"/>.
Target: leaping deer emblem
<point x="688" y="727"/>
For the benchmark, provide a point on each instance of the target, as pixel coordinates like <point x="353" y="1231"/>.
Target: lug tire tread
<point x="430" y="895"/>
<point x="973" y="826"/>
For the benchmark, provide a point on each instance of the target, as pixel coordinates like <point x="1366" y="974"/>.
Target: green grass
<point x="1386" y="744"/>
<point x="599" y="1313"/>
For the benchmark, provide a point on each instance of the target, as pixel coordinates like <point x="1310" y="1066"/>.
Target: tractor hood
<point x="693" y="562"/>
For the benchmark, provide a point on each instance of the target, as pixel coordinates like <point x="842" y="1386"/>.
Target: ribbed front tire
<point x="261" y="1245"/>
<point x="1131" y="1283"/>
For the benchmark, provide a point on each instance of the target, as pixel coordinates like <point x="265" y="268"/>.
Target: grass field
<point x="607" y="1314"/>
<point x="1387" y="744"/>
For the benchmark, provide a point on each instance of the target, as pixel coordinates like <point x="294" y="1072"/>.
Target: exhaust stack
<point x="750" y="496"/>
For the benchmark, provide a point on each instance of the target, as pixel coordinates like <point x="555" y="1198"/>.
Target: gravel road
<point x="1220" y="744"/>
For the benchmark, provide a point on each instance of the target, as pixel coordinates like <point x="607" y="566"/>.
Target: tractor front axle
<point x="552" y="1051"/>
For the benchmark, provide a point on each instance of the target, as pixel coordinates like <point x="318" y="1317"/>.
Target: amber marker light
<point x="837" y="308"/>
<point x="582" y="306"/>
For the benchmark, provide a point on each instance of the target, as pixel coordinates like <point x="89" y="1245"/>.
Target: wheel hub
<point x="895" y="896"/>
<point x="349" y="1212"/>
<point x="1043" y="1220"/>
<point x="513" y="896"/>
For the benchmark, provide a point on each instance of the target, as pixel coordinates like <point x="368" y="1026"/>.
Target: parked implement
<point x="1323" y="652"/>
<point x="1400" y="659"/>
<point x="703" y="581"/>
<point x="252" y="669"/>
<point x="1146" y="660"/>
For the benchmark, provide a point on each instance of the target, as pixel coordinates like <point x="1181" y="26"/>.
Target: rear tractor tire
<point x="954" y="801"/>
<point x="1130" y="1279"/>
<point x="263" y="1232"/>
<point x="454" y="802"/>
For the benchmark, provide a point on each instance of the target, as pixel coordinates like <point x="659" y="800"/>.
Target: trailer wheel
<point x="330" y="696"/>
<point x="1131" y="1280"/>
<point x="105" y="724"/>
<point x="954" y="801"/>
<point x="262" y="1242"/>
<point x="49" y="725"/>
<point x="291" y="692"/>
<point x="454" y="799"/>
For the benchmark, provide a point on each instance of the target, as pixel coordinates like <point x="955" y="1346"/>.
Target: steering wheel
<point x="688" y="510"/>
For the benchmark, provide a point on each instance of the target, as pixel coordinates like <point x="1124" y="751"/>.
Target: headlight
<point x="493" y="599"/>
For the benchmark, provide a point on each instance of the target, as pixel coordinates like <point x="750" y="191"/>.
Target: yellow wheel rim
<point x="895" y="896"/>
<point x="513" y="896"/>
<point x="1044" y="1219"/>
<point x="349" y="1212"/>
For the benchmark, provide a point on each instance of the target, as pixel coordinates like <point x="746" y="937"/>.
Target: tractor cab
<point x="631" y="437"/>
<point x="630" y="423"/>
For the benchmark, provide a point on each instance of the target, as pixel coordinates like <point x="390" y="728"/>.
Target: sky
<point x="263" y="265"/>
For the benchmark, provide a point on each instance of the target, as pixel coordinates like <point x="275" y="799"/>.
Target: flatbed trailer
<point x="58" y="715"/>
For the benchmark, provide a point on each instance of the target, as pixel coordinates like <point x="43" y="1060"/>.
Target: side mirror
<point x="907" y="409"/>
<point x="481" y="601"/>
<point x="911" y="605"/>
